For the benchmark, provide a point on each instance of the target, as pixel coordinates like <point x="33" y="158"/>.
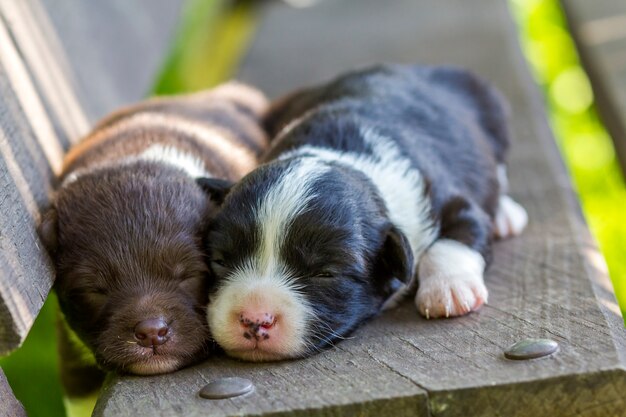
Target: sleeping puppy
<point x="125" y="226"/>
<point x="376" y="177"/>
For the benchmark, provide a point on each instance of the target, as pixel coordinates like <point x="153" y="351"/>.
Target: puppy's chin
<point x="270" y="350"/>
<point x="155" y="365"/>
<point x="259" y="355"/>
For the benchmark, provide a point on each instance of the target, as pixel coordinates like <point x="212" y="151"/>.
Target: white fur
<point x="214" y="138"/>
<point x="399" y="184"/>
<point x="503" y="179"/>
<point x="156" y="364"/>
<point x="283" y="203"/>
<point x="451" y="280"/>
<point x="511" y="218"/>
<point x="264" y="284"/>
<point x="169" y="155"/>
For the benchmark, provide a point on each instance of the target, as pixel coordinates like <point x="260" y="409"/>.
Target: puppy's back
<point x="402" y="83"/>
<point x="219" y="129"/>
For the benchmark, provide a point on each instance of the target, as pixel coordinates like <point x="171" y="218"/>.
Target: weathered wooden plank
<point x="599" y="29"/>
<point x="62" y="65"/>
<point x="551" y="282"/>
<point x="11" y="407"/>
<point x="28" y="149"/>
<point x="335" y="383"/>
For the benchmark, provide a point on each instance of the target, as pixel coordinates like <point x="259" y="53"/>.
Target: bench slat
<point x="25" y="177"/>
<point x="551" y="282"/>
<point x="599" y="29"/>
<point x="11" y="407"/>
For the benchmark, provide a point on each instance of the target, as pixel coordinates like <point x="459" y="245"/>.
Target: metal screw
<point x="531" y="349"/>
<point x="226" y="388"/>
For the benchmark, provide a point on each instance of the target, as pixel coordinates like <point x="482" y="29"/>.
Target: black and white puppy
<point x="375" y="178"/>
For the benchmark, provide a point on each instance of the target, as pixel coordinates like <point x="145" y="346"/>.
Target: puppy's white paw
<point x="511" y="218"/>
<point x="450" y="295"/>
<point x="450" y="280"/>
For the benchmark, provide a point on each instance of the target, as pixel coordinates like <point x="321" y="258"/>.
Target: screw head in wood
<point x="531" y="349"/>
<point x="226" y="388"/>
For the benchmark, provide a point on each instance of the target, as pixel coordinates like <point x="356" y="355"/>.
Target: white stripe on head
<point x="401" y="187"/>
<point x="213" y="138"/>
<point x="170" y="155"/>
<point x="286" y="199"/>
<point x="164" y="154"/>
<point x="399" y="184"/>
<point x="264" y="283"/>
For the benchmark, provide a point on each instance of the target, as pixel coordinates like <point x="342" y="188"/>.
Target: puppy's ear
<point x="216" y="188"/>
<point x="396" y="257"/>
<point x="48" y="230"/>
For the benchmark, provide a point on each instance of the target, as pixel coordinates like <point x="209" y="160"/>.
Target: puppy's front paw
<point x="450" y="295"/>
<point x="450" y="280"/>
<point x="511" y="218"/>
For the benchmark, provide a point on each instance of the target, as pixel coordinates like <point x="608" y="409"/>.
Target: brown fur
<point x="126" y="238"/>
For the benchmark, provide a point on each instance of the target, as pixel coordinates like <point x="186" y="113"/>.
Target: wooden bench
<point x="551" y="282"/>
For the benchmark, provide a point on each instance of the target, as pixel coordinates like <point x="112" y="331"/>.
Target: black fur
<point x="451" y="124"/>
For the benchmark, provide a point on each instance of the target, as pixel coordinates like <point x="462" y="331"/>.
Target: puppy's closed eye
<point x="98" y="291"/>
<point x="192" y="284"/>
<point x="89" y="290"/>
<point x="219" y="265"/>
<point x="219" y="262"/>
<point x="324" y="274"/>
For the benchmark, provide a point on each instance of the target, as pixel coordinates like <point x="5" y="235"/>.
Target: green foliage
<point x="584" y="143"/>
<point x="33" y="371"/>
<point x="212" y="36"/>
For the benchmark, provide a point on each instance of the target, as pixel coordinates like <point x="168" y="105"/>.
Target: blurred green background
<point x="211" y="38"/>
<point x="585" y="145"/>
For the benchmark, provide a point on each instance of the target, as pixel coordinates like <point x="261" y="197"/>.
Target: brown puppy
<point x="125" y="226"/>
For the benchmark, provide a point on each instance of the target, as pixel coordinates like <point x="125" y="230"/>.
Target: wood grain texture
<point x="599" y="29"/>
<point x="9" y="405"/>
<point x="25" y="178"/>
<point x="549" y="283"/>
<point x="62" y="66"/>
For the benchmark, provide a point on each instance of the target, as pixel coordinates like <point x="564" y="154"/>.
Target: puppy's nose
<point x="151" y="332"/>
<point x="257" y="325"/>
